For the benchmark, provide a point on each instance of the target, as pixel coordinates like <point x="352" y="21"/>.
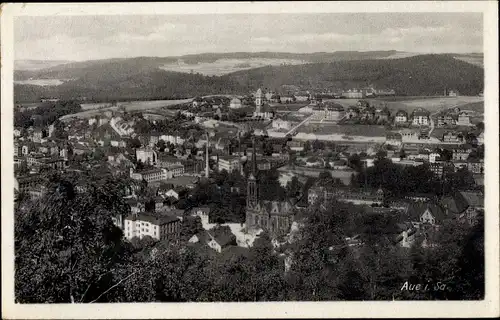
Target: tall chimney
<point x="254" y="158"/>
<point x="207" y="169"/>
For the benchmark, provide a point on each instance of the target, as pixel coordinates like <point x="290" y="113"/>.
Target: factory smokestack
<point x="207" y="168"/>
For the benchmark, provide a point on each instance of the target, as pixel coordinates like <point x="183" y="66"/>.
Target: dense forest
<point x="45" y="114"/>
<point x="68" y="250"/>
<point x="140" y="78"/>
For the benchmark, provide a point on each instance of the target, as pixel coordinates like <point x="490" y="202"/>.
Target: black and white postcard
<point x="250" y="159"/>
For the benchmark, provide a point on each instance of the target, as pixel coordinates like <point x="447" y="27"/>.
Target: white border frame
<point x="425" y="309"/>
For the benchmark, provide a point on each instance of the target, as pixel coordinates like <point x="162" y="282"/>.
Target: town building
<point x="235" y="104"/>
<point x="344" y="194"/>
<point x="151" y="175"/>
<point x="146" y="155"/>
<point x="353" y="94"/>
<point x="461" y="154"/>
<point x="159" y="227"/>
<point x="465" y="206"/>
<point x="229" y="163"/>
<point x="394" y="139"/>
<point x="444" y="120"/>
<point x="475" y="166"/>
<point x="280" y="124"/>
<point x="329" y="111"/>
<point x="420" y="117"/>
<point x="463" y="119"/>
<point x="352" y="112"/>
<point x="452" y="137"/>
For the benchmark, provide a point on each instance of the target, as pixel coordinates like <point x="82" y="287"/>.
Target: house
<point x="362" y="104"/>
<point x="461" y="154"/>
<point x="427" y="214"/>
<point x="475" y="166"/>
<point x="368" y="113"/>
<point x="202" y="212"/>
<point x="235" y="104"/>
<point x="146" y="155"/>
<point x="157" y="226"/>
<point x="420" y="117"/>
<point x="383" y="115"/>
<point x="352" y="112"/>
<point x="406" y="234"/>
<point x="176" y="170"/>
<point x="452" y="137"/>
<point x="464" y="205"/>
<point x="463" y="119"/>
<point x="228" y="163"/>
<point x="401" y="117"/>
<point x="218" y="238"/>
<point x="281" y="124"/>
<point x="444" y="120"/>
<point x="394" y="139"/>
<point x="263" y="165"/>
<point x="437" y="168"/>
<point x="286" y="99"/>
<point x="480" y="139"/>
<point x="296" y="145"/>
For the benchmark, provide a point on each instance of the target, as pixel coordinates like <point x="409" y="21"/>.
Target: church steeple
<point x="252" y="188"/>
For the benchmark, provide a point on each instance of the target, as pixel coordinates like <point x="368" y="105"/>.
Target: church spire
<point x="254" y="159"/>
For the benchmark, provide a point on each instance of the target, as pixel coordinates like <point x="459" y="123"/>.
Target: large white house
<point x="235" y="104"/>
<point x="164" y="227"/>
<point x="420" y="117"/>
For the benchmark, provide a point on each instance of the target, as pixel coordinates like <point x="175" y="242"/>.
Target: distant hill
<point x="32" y="65"/>
<point x="417" y="75"/>
<point x="140" y="78"/>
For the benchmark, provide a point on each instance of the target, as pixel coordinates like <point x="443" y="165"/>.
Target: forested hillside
<point x="139" y="78"/>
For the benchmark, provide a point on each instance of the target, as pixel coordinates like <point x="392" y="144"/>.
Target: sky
<point x="81" y="38"/>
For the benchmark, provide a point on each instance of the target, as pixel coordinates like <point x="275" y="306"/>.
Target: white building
<point x="401" y="117"/>
<point x="282" y="124"/>
<point x="229" y="163"/>
<point x="147" y="224"/>
<point x="153" y="175"/>
<point x="235" y="104"/>
<point x="146" y="155"/>
<point x="420" y="117"/>
<point x="463" y="119"/>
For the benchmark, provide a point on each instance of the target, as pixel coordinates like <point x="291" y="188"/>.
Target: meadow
<point x="433" y="104"/>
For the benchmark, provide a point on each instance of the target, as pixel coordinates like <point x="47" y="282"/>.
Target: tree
<point x="67" y="245"/>
<point x="190" y="226"/>
<point x="293" y="188"/>
<point x="161" y="145"/>
<point x="135" y="143"/>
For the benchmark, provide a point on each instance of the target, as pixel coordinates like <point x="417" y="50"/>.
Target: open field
<point x="343" y="175"/>
<point x="93" y="109"/>
<point x="224" y="66"/>
<point x="352" y="130"/>
<point x="42" y="82"/>
<point x="431" y="104"/>
<point x="136" y="105"/>
<point x="291" y="107"/>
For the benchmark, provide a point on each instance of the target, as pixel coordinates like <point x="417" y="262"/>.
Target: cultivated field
<point x="431" y="104"/>
<point x="224" y="66"/>
<point x="350" y="130"/>
<point x="92" y="109"/>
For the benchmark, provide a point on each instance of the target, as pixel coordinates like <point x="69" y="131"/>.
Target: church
<point x="262" y="109"/>
<point x="275" y="217"/>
